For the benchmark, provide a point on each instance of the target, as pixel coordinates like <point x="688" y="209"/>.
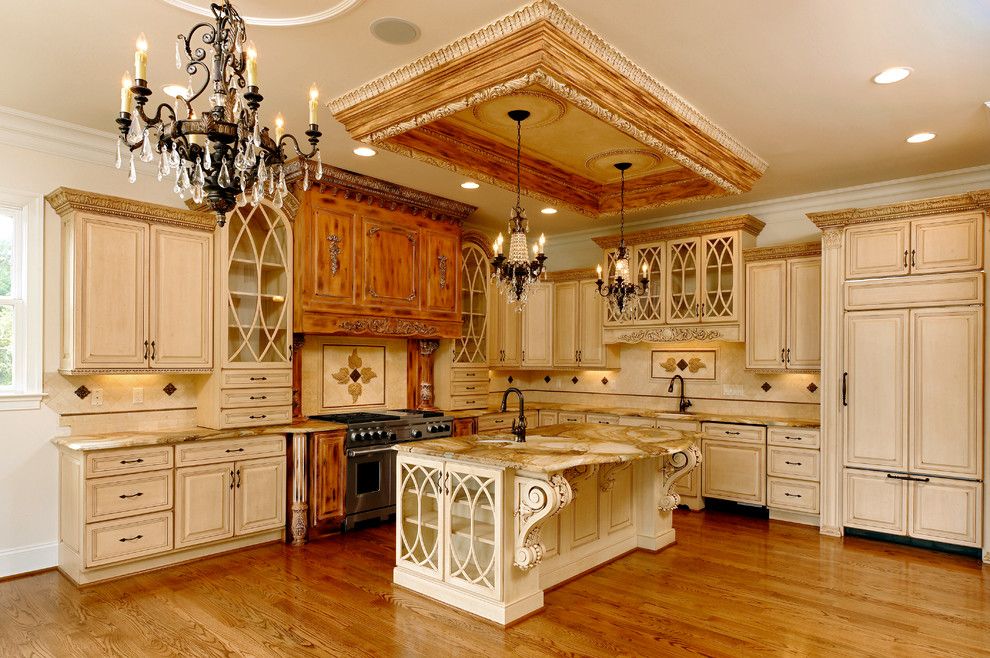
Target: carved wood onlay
<point x="388" y="327"/>
<point x="135" y="371"/>
<point x="65" y="200"/>
<point x="776" y="252"/>
<point x="746" y="223"/>
<point x="976" y="200"/>
<point x="670" y="335"/>
<point x="672" y="468"/>
<point x="391" y="196"/>
<point x="577" y="475"/>
<point x="536" y="501"/>
<point x="606" y="475"/>
<point x="832" y="238"/>
<point x="580" y="274"/>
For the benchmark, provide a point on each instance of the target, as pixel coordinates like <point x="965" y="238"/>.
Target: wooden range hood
<point x="590" y="107"/>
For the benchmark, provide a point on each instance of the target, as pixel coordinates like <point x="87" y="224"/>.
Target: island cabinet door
<point x="472" y="529"/>
<point x="419" y="515"/>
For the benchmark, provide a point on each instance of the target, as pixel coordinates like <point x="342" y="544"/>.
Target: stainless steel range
<point x="370" y="492"/>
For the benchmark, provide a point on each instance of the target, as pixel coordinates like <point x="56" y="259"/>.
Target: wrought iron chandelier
<point x="223" y="155"/>
<point x="516" y="273"/>
<point x="622" y="294"/>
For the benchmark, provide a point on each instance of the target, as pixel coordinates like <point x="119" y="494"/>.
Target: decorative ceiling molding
<point x="331" y="12"/>
<point x="389" y="195"/>
<point x="779" y="251"/>
<point x="746" y="223"/>
<point x="976" y="200"/>
<point x="65" y="200"/>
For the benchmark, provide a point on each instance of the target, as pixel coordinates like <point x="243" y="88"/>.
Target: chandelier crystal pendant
<point x="516" y="273"/>
<point x="621" y="293"/>
<point x="222" y="155"/>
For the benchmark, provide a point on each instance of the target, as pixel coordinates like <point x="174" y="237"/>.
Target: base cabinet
<point x="328" y="476"/>
<point x="733" y="470"/>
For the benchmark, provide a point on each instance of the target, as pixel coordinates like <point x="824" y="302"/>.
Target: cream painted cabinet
<point x="783" y="319"/>
<point x="537" y="328"/>
<point x="259" y="500"/>
<point x="734" y="470"/>
<point x="928" y="245"/>
<point x="577" y="329"/>
<point x="874" y="501"/>
<point x="683" y="281"/>
<point x="704" y="279"/>
<point x="505" y="327"/>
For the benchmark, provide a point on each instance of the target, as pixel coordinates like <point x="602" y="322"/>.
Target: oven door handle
<point x="355" y="452"/>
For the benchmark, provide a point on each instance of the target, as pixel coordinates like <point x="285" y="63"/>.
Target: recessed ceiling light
<point x="549" y="211"/>
<point x="918" y="138"/>
<point x="890" y="76"/>
<point x="470" y="185"/>
<point x="365" y="151"/>
<point x="396" y="31"/>
<point x="176" y="90"/>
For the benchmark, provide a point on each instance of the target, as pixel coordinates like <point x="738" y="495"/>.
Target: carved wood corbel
<point x="606" y="477"/>
<point x="674" y="467"/>
<point x="577" y="475"/>
<point x="536" y="501"/>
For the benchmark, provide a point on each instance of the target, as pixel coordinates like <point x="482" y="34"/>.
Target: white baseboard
<point x="28" y="558"/>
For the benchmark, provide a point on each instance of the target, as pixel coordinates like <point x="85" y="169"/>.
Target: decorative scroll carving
<point x="334" y="241"/>
<point x="425" y="394"/>
<point x="577" y="475"/>
<point x="298" y="527"/>
<point x="300" y="505"/>
<point x="428" y="347"/>
<point x="978" y="200"/>
<point x="442" y="267"/>
<point x="832" y="238"/>
<point x="783" y="251"/>
<point x="747" y="223"/>
<point x="672" y="469"/>
<point x="65" y="200"/>
<point x="536" y="501"/>
<point x="669" y="335"/>
<point x="387" y="327"/>
<point x="606" y="476"/>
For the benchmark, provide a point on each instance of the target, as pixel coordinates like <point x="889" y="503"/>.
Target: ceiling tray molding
<point x="333" y="11"/>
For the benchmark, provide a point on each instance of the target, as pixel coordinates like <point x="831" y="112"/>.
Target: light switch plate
<point x="137" y="395"/>
<point x="96" y="397"/>
<point x="732" y="390"/>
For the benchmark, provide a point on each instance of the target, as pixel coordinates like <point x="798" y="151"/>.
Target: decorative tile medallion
<point x="82" y="392"/>
<point x="689" y="364"/>
<point x="547" y="379"/>
<point x="170" y="389"/>
<point x="574" y="380"/>
<point x="604" y="381"/>
<point x="510" y="379"/>
<point x="812" y="387"/>
<point x="766" y="386"/>
<point x="354" y="375"/>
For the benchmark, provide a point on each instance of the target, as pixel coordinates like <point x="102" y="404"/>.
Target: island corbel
<point x="538" y="500"/>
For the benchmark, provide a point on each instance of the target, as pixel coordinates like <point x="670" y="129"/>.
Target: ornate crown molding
<point x="776" y="252"/>
<point x="389" y="195"/>
<point x="669" y="335"/>
<point x="581" y="274"/>
<point x="976" y="200"/>
<point x="290" y="206"/>
<point x="746" y="223"/>
<point x="65" y="200"/>
<point x="389" y="327"/>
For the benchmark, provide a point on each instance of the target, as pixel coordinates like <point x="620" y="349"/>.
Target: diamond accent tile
<point x="355" y="375"/>
<point x="574" y="380"/>
<point x="812" y="387"/>
<point x="170" y="389"/>
<point x="510" y="379"/>
<point x="766" y="386"/>
<point x="604" y="381"/>
<point x="547" y="379"/>
<point x="82" y="392"/>
<point x="682" y="364"/>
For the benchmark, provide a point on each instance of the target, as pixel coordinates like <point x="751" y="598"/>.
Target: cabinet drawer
<point x="946" y="510"/>
<point x="477" y="388"/>
<point x="253" y="397"/>
<point x="228" y="450"/>
<point x="794" y="437"/>
<point x="128" y="539"/>
<point x="255" y="417"/>
<point x="601" y="419"/>
<point x="873" y="501"/>
<point x="548" y="417"/>
<point x="796" y="463"/>
<point x="923" y="290"/>
<point x="469" y="374"/>
<point x="569" y="417"/>
<point x="636" y="421"/>
<point x="255" y="378"/>
<point x="679" y="425"/>
<point x="468" y="402"/>
<point x="127" y="460"/>
<point x="495" y="422"/>
<point x="112" y="498"/>
<point x="793" y="495"/>
<point x="751" y="433"/>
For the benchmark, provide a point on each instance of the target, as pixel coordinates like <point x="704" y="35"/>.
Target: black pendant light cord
<point x="518" y="162"/>
<point x="622" y="207"/>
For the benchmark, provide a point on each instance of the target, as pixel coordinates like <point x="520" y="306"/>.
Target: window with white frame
<point x="21" y="267"/>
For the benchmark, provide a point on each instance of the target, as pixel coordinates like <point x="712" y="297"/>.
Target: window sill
<point x="20" y="401"/>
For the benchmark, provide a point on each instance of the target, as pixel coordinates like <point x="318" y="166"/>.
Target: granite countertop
<point x="556" y="448"/>
<point x="746" y="419"/>
<point x="143" y="438"/>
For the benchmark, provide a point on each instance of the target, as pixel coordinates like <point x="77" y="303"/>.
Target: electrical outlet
<point x="137" y="395"/>
<point x="732" y="390"/>
<point x="96" y="397"/>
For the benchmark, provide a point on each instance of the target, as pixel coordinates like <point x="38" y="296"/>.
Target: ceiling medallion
<point x="604" y="163"/>
<point x="621" y="293"/>
<point x="222" y="155"/>
<point x="516" y="274"/>
<point x="544" y="109"/>
<point x="331" y="12"/>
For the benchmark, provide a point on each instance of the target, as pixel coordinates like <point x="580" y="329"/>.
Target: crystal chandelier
<point x="516" y="273"/>
<point x="621" y="293"/>
<point x="222" y="155"/>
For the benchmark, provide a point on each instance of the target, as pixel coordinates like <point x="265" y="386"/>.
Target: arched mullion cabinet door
<point x="683" y="281"/>
<point x="651" y="305"/>
<point x="472" y="347"/>
<point x="720" y="278"/>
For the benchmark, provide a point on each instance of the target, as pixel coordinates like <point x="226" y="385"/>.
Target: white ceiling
<point x="790" y="79"/>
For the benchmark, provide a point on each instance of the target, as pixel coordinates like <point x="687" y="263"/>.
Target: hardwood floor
<point x="732" y="586"/>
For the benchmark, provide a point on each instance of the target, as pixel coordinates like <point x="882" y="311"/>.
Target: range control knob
<point x="392" y="436"/>
<point x="445" y="427"/>
<point x="416" y="434"/>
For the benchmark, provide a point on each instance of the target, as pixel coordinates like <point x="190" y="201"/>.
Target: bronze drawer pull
<point x="154" y="350"/>
<point x="733" y="433"/>
<point x="259" y="379"/>
<point x="908" y="478"/>
<point x="133" y="495"/>
<point x="905" y="257"/>
<point x="790" y="495"/>
<point x="793" y="438"/>
<point x="792" y="463"/>
<point x="258" y="397"/>
<point x="238" y="478"/>
<point x="131" y="461"/>
<point x="134" y="538"/>
<point x="258" y="417"/>
<point x="237" y="449"/>
<point x="145" y="350"/>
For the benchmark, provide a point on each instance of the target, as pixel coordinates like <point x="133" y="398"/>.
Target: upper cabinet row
<point x="929" y="245"/>
<point x="137" y="287"/>
<point x="695" y="277"/>
<point x="361" y="267"/>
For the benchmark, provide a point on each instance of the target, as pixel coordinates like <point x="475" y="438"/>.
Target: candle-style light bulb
<point x="141" y="58"/>
<point x="599" y="269"/>
<point x="314" y="99"/>
<point x="644" y="270"/>
<point x="499" y="240"/>
<point x="252" y="64"/>
<point x="543" y="241"/>
<point x="126" y="95"/>
<point x="495" y="247"/>
<point x="279" y="127"/>
<point x="536" y="250"/>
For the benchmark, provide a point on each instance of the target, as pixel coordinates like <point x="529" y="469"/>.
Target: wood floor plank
<point x="732" y="586"/>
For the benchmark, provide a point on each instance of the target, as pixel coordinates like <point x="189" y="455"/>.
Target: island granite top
<point x="556" y="448"/>
<point x="143" y="438"/>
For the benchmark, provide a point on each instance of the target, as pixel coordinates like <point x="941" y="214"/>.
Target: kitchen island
<point x="486" y="524"/>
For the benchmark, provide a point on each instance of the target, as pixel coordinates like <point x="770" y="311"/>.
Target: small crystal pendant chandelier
<point x="515" y="274"/>
<point x="621" y="293"/>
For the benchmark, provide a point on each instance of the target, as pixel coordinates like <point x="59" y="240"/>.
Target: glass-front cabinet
<point x="471" y="349"/>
